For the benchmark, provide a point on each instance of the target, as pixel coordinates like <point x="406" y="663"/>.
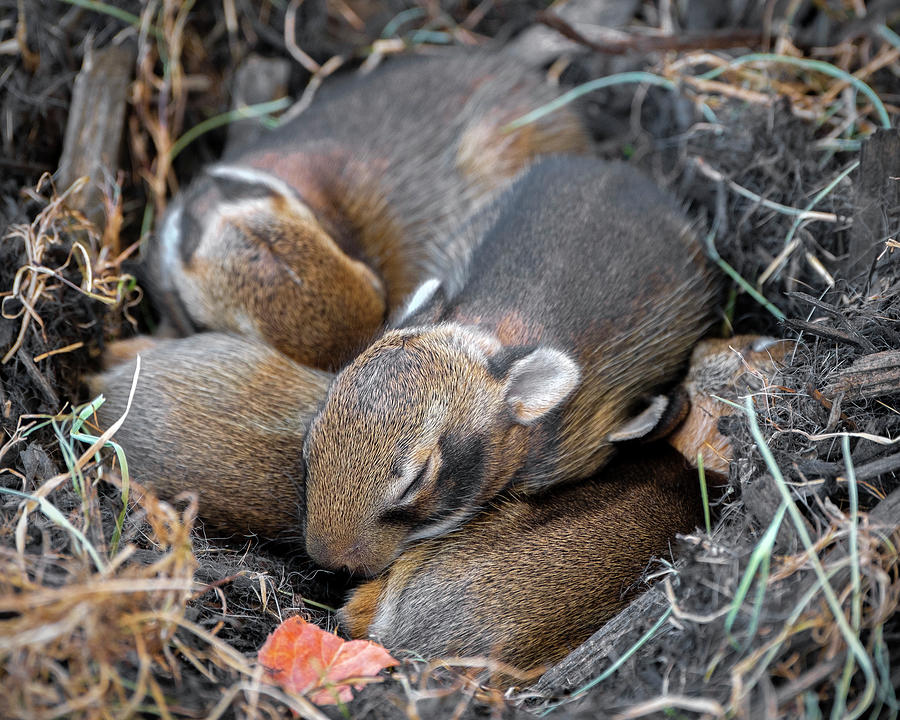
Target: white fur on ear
<point x="539" y="382"/>
<point x="417" y="300"/>
<point x="252" y="176"/>
<point x="641" y="424"/>
<point x="764" y="343"/>
<point x="170" y="239"/>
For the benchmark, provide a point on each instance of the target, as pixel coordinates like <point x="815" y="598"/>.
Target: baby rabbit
<point x="731" y="367"/>
<point x="307" y="238"/>
<point x="209" y="415"/>
<point x="525" y="581"/>
<point x="532" y="577"/>
<point x="588" y="292"/>
<point x="220" y="415"/>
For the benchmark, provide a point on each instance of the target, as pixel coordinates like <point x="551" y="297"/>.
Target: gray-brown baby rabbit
<point x="308" y="237"/>
<point x="587" y="292"/>
<point x="524" y="582"/>
<point x="219" y="415"/>
<point x="530" y="578"/>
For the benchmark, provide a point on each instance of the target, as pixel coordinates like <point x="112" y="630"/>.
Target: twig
<point x="46" y="389"/>
<point x="59" y="351"/>
<point x="824" y="331"/>
<point x="664" y="702"/>
<point x="290" y="38"/>
<point x="714" y="174"/>
<point x="619" y="43"/>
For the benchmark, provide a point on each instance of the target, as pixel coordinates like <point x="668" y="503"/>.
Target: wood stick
<point x="620" y="43"/>
<point x="94" y="130"/>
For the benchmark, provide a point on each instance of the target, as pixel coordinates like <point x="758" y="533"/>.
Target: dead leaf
<point x="303" y="658"/>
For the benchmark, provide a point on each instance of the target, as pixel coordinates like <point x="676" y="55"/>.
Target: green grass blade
<point x="840" y="700"/>
<point x="126" y="485"/>
<point x="817" y="199"/>
<point x="762" y="584"/>
<point x="762" y="552"/>
<point x="112" y="11"/>
<point x="704" y="494"/>
<point x="889" y="35"/>
<point x="850" y="637"/>
<point x="882" y="657"/>
<point x="82" y="415"/>
<point x="400" y="19"/>
<point x="231" y="116"/>
<point x="792" y="619"/>
<point x="52" y="513"/>
<point x="734" y="275"/>
<point x="598" y="84"/>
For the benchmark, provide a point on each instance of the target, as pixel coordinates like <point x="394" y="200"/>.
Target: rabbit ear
<point x="429" y="293"/>
<point x="660" y="418"/>
<point x="539" y="382"/>
<point x="641" y="424"/>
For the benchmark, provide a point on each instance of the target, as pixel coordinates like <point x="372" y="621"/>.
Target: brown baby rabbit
<point x="222" y="416"/>
<point x="588" y="292"/>
<point x="524" y="582"/>
<point x="728" y="368"/>
<point x="307" y="238"/>
<point x="530" y="578"/>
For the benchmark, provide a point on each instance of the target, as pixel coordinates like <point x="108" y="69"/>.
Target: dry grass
<point x="97" y="259"/>
<point x="87" y="638"/>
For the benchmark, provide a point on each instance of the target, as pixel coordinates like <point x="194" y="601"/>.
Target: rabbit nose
<point x="318" y="552"/>
<point x="333" y="555"/>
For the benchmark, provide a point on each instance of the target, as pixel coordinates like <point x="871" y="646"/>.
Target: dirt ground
<point x="115" y="605"/>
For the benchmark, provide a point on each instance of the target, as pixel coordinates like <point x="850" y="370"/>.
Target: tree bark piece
<point x="877" y="213"/>
<point x="94" y="130"/>
<point x="868" y="377"/>
<point x="621" y="43"/>
<point x="539" y="44"/>
<point x="603" y="647"/>
<point x="826" y="331"/>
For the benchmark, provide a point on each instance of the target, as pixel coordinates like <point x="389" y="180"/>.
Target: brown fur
<point x="524" y="582"/>
<point x="221" y="416"/>
<point x="374" y="177"/>
<point x="187" y="427"/>
<point x="588" y="278"/>
<point x="723" y="368"/>
<point x="530" y="579"/>
<point x="257" y="261"/>
<point x="125" y="350"/>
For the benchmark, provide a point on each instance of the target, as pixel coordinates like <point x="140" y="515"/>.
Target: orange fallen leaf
<point x="303" y="658"/>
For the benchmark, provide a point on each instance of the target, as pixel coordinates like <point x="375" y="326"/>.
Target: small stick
<point x="622" y="43"/>
<point x="59" y="351"/>
<point x="717" y="176"/>
<point x="824" y="331"/>
<point x="49" y="393"/>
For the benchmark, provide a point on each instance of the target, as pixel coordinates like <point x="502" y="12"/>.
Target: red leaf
<point x="301" y="657"/>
